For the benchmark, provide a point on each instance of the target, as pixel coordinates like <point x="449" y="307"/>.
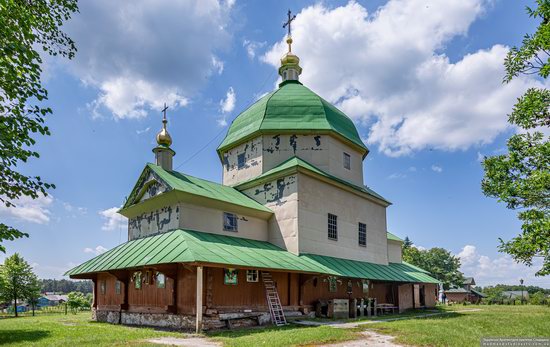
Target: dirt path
<point x="368" y="338"/>
<point x="191" y="341"/>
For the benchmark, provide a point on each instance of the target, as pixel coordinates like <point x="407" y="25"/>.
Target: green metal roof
<point x="201" y="187"/>
<point x="291" y="108"/>
<point x="480" y="294"/>
<point x="186" y="246"/>
<point x="393" y="237"/>
<point x="399" y="272"/>
<point x="291" y="164"/>
<point x="457" y="290"/>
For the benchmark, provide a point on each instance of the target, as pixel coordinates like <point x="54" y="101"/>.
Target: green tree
<point x="537" y="298"/>
<point x="77" y="300"/>
<point x="17" y="281"/>
<point x="521" y="178"/>
<point x="439" y="262"/>
<point x="26" y="26"/>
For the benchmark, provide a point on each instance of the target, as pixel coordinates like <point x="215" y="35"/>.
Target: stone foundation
<point x="181" y="322"/>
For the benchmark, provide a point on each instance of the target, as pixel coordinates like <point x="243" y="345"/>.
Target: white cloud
<point x="146" y="130"/>
<point x="227" y="105"/>
<point x="252" y="47"/>
<point x="113" y="220"/>
<point x="141" y="54"/>
<point x="29" y="210"/>
<point x="500" y="269"/>
<point x="436" y="168"/>
<point x="387" y="70"/>
<point x="397" y="175"/>
<point x="97" y="250"/>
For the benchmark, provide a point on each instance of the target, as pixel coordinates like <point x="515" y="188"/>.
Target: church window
<point x="102" y="287"/>
<point x="284" y="75"/>
<point x="137" y="280"/>
<point x="332" y="284"/>
<point x="252" y="275"/>
<point x="161" y="280"/>
<point x="229" y="221"/>
<point x="241" y="160"/>
<point x="362" y="234"/>
<point x="117" y="287"/>
<point x="332" y="227"/>
<point x="347" y="161"/>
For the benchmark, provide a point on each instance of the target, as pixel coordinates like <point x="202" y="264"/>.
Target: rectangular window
<point x="362" y="234"/>
<point x="117" y="287"/>
<point x="102" y="287"/>
<point x="241" y="160"/>
<point x="137" y="280"/>
<point x="332" y="227"/>
<point x="229" y="221"/>
<point x="252" y="275"/>
<point x="332" y="284"/>
<point x="347" y="161"/>
<point x="161" y="280"/>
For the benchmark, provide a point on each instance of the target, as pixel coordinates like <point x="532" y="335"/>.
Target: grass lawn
<point x="72" y="330"/>
<point x="290" y="335"/>
<point x="467" y="328"/>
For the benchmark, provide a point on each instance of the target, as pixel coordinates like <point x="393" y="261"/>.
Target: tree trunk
<point x="15" y="305"/>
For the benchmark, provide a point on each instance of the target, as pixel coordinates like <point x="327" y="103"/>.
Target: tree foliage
<point x="521" y="178"/>
<point x="26" y="26"/>
<point x="77" y="300"/>
<point x="439" y="262"/>
<point x="66" y="286"/>
<point x="18" y="281"/>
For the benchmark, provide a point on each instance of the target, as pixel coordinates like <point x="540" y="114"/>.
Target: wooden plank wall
<point x="317" y="287"/>
<point x="110" y="298"/>
<point x="150" y="298"/>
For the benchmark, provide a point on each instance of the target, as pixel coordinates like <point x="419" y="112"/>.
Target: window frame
<point x="364" y="232"/>
<point x="332" y="227"/>
<point x="103" y="287"/>
<point x="347" y="161"/>
<point x="160" y="284"/>
<point x="241" y="160"/>
<point x="252" y="276"/>
<point x="228" y="227"/>
<point x="137" y="280"/>
<point x="118" y="287"/>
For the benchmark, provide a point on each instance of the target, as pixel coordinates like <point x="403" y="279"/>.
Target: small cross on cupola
<point x="163" y="152"/>
<point x="290" y="63"/>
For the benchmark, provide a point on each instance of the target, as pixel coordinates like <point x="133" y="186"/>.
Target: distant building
<point x="51" y="299"/>
<point x="516" y="294"/>
<point x="466" y="293"/>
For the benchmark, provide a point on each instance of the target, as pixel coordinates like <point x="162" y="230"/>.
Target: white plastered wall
<point x="210" y="220"/>
<point x="394" y="251"/>
<point x="336" y="162"/>
<point x="160" y="220"/>
<point x="317" y="199"/>
<point x="281" y="196"/>
<point x="280" y="147"/>
<point x="253" y="166"/>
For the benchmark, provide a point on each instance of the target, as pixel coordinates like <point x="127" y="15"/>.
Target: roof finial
<point x="163" y="138"/>
<point x="290" y="63"/>
<point x="288" y="24"/>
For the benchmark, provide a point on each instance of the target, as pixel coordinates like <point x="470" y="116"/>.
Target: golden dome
<point x="290" y="59"/>
<point x="163" y="137"/>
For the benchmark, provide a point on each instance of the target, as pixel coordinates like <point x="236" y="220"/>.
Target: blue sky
<point x="421" y="81"/>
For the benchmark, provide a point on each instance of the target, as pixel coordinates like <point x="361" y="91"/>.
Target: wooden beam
<point x="198" y="323"/>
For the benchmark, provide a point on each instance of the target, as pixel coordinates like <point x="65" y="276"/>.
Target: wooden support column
<point x="94" y="293"/>
<point x="198" y="323"/>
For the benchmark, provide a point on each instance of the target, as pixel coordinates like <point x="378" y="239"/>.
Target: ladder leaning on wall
<point x="273" y="301"/>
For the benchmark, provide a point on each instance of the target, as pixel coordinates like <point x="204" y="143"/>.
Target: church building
<point x="292" y="230"/>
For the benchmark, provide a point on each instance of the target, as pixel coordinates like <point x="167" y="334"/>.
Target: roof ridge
<point x="265" y="109"/>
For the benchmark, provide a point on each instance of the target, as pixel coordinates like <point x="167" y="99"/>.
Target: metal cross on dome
<point x="290" y="19"/>
<point x="164" y="111"/>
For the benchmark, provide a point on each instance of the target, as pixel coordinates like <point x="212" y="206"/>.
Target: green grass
<point x="290" y="335"/>
<point x="72" y="330"/>
<point x="467" y="328"/>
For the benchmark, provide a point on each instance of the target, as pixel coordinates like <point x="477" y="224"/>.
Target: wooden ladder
<point x="273" y="301"/>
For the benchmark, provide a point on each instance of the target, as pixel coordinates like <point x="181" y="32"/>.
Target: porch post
<point x="198" y="323"/>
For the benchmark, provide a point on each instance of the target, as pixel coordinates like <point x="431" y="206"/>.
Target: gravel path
<point x="185" y="341"/>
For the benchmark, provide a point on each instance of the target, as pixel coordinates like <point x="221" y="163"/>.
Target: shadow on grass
<point x="13" y="336"/>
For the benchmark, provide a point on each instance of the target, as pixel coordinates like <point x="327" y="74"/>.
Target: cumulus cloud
<point x="387" y="70"/>
<point x="141" y="54"/>
<point x="97" y="250"/>
<point x="252" y="47"/>
<point x="500" y="269"/>
<point x="29" y="210"/>
<point x="437" y="168"/>
<point x="227" y="105"/>
<point x="113" y="220"/>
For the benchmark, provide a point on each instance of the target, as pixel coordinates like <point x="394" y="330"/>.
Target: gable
<point x="148" y="185"/>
